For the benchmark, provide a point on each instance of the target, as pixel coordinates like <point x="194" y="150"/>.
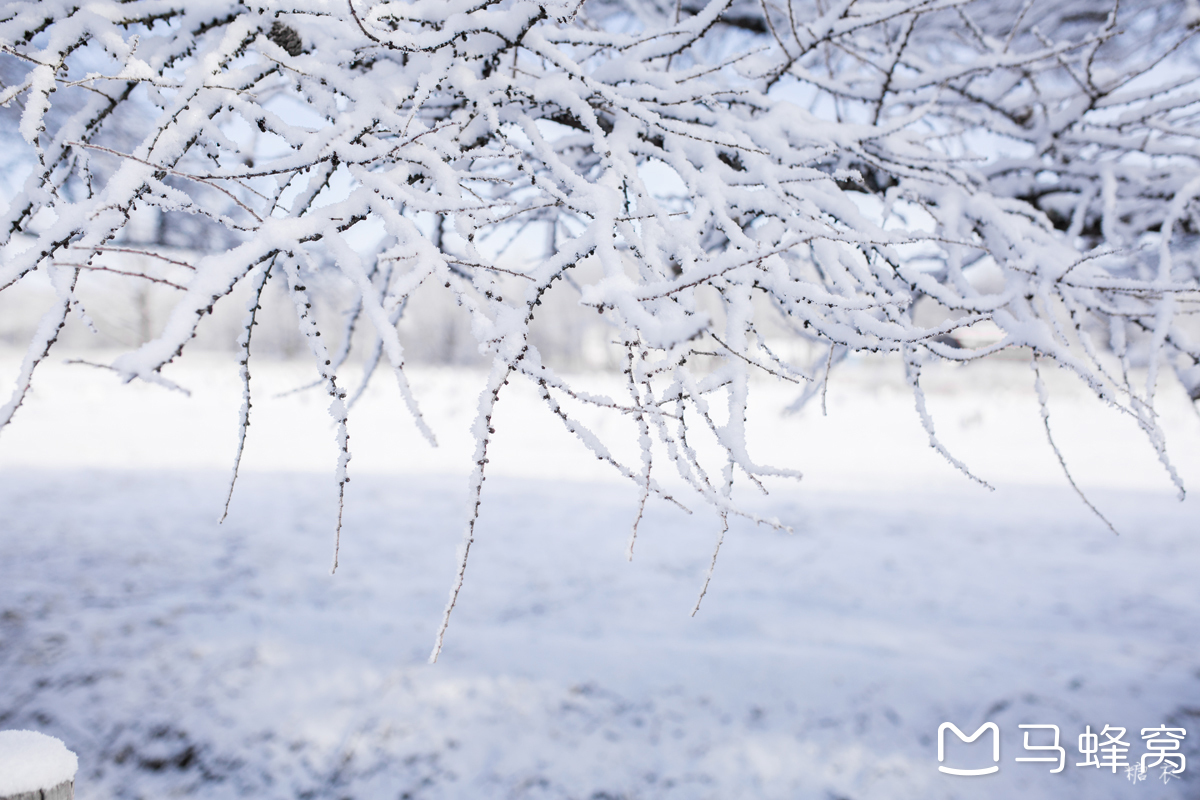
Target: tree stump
<point x="34" y="766"/>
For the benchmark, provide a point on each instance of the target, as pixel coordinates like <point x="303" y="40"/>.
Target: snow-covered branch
<point x="873" y="176"/>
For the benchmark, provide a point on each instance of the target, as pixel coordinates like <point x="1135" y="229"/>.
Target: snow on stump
<point x="34" y="766"/>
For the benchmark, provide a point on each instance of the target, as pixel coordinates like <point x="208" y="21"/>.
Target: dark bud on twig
<point x="287" y="38"/>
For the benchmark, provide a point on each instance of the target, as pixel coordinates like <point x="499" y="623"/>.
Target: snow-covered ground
<point x="179" y="657"/>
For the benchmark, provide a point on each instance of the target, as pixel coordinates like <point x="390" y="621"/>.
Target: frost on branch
<point x="872" y="176"/>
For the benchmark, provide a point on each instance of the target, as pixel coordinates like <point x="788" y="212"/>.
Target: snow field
<point x="179" y="657"/>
